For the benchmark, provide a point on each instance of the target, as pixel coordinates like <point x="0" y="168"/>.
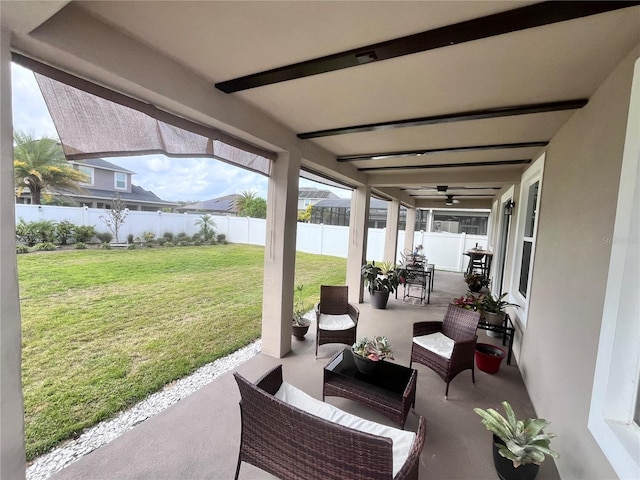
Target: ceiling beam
<point x="484" y="178"/>
<point x="523" y="18"/>
<point x="452" y="117"/>
<point x="464" y="204"/>
<point x="447" y="165"/>
<point x="413" y="153"/>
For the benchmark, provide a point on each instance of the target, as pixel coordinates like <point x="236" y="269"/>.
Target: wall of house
<point x="579" y="194"/>
<point x="105" y="180"/>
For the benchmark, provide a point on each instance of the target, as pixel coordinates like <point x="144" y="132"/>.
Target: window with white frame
<point x="89" y="172"/>
<point x="526" y="230"/>
<point x="120" y="181"/>
<point x="614" y="414"/>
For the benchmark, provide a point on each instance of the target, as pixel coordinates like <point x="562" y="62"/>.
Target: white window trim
<point x="499" y="214"/>
<point x="115" y="181"/>
<point x="615" y="382"/>
<point x="532" y="175"/>
<point x="91" y="172"/>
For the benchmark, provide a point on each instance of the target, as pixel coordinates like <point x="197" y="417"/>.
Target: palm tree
<point x="39" y="164"/>
<point x="244" y="200"/>
<point x="207" y="226"/>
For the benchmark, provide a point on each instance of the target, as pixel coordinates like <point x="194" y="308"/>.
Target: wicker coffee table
<point x="390" y="391"/>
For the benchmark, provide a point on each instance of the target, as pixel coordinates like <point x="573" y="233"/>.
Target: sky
<point x="172" y="179"/>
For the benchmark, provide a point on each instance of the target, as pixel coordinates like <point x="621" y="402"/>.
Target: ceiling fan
<point x="451" y="200"/>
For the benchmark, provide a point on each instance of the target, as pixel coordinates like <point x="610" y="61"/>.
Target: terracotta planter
<point x="489" y="357"/>
<point x="506" y="470"/>
<point x="379" y="298"/>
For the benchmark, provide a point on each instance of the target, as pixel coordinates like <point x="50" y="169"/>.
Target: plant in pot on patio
<point x="493" y="308"/>
<point x="300" y="325"/>
<point x="367" y="353"/>
<point x="519" y="446"/>
<point x="476" y="281"/>
<point x="381" y="281"/>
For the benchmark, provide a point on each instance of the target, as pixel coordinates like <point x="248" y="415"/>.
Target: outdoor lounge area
<point x="199" y="436"/>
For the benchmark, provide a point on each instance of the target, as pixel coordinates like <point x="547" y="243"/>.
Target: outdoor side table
<point x="390" y="391"/>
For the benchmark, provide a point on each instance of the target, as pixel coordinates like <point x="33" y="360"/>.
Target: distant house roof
<point x="311" y="192"/>
<point x="101" y="163"/>
<point x="138" y="194"/>
<point x="221" y="204"/>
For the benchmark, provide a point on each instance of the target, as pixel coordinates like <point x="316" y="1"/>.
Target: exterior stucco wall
<point x="576" y="219"/>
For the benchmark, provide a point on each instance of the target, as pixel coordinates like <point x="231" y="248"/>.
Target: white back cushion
<point x="437" y="342"/>
<point x="402" y="440"/>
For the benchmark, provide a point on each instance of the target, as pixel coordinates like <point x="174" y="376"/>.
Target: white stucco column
<point x="391" y="232"/>
<point x="357" y="250"/>
<point x="280" y="255"/>
<point x="12" y="456"/>
<point x="410" y="229"/>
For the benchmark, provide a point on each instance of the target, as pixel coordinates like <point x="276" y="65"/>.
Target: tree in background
<point x="115" y="216"/>
<point x="40" y="165"/>
<point x="207" y="226"/>
<point x="250" y="205"/>
<point x="305" y="216"/>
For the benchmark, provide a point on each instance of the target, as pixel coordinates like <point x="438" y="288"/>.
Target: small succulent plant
<point x="378" y="348"/>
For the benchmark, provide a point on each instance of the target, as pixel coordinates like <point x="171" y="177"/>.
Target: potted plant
<point x="300" y="325"/>
<point x="366" y="353"/>
<point x="519" y="447"/>
<point x="476" y="281"/>
<point x="381" y="281"/>
<point x="470" y="301"/>
<point x="493" y="308"/>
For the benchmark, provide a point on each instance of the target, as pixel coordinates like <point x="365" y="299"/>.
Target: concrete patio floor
<point x="198" y="437"/>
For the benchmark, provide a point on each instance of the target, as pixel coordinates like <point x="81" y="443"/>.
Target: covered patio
<point x="529" y="110"/>
<point x="199" y="436"/>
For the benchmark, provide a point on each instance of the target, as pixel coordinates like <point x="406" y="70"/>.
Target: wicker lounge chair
<point x="292" y="443"/>
<point x="336" y="318"/>
<point x="447" y="347"/>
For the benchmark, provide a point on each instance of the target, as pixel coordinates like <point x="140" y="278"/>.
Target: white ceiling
<point x="224" y="40"/>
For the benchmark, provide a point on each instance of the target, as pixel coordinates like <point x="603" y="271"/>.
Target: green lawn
<point x="104" y="328"/>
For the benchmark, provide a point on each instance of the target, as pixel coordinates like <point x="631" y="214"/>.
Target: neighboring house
<point x="310" y="196"/>
<point x="105" y="180"/>
<point x="218" y="206"/>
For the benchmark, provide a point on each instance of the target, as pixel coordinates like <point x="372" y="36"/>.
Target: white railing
<point x="445" y="250"/>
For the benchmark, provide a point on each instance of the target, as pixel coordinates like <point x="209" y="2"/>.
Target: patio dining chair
<point x="336" y="318"/>
<point x="447" y="347"/>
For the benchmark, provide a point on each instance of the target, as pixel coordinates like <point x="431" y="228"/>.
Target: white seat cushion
<point x="402" y="440"/>
<point x="336" y="322"/>
<point x="437" y="342"/>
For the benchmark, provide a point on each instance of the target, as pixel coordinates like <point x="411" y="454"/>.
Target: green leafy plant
<point x="496" y="304"/>
<point x="62" y="231"/>
<point x="377" y="348"/>
<point x="376" y="280"/>
<point x="148" y="237"/>
<point x="207" y="226"/>
<point x="80" y="246"/>
<point x="104" y="237"/>
<point x="83" y="233"/>
<point x="45" y="247"/>
<point x="523" y="441"/>
<point x="22" y="249"/>
<point x="476" y="280"/>
<point x="299" y="308"/>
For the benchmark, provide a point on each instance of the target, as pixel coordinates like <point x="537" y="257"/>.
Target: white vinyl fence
<point x="445" y="250"/>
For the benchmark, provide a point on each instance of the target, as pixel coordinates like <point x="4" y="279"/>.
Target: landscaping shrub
<point x="148" y="236"/>
<point x="168" y="236"/>
<point x="33" y="232"/>
<point x="130" y="238"/>
<point x="83" y="233"/>
<point x="169" y="244"/>
<point x="22" y="249"/>
<point x="25" y="232"/>
<point x="104" y="237"/>
<point x="182" y="236"/>
<point x="81" y="246"/>
<point x="63" y="231"/>
<point x="161" y="241"/>
<point x="105" y="246"/>
<point x="44" y="230"/>
<point x="45" y="246"/>
<point x="222" y="238"/>
<point x="183" y="244"/>
<point x="131" y="246"/>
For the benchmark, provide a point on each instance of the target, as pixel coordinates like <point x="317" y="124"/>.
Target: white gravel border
<point x="46" y="465"/>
